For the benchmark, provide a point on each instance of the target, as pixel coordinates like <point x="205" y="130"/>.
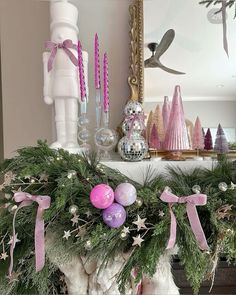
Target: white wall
<point x="24" y="29"/>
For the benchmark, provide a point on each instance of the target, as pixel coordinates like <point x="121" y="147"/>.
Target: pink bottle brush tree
<point x="166" y="112"/>
<point x="198" y="139"/>
<point x="154" y="141"/>
<point x="208" y="145"/>
<point x="176" y="138"/>
<point x="221" y="146"/>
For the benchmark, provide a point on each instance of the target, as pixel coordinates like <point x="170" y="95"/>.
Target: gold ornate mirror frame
<point x="136" y="78"/>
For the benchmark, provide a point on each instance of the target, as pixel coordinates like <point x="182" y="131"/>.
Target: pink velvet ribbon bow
<point x="135" y="117"/>
<point x="191" y="203"/>
<point x="66" y="46"/>
<point x="25" y="200"/>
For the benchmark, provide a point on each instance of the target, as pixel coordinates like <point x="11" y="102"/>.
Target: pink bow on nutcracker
<point x="66" y="46"/>
<point x="43" y="203"/>
<point x="191" y="203"/>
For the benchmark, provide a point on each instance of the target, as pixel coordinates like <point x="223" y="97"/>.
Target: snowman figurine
<point x="61" y="79"/>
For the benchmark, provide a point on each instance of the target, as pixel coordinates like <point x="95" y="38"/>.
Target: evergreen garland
<point x="42" y="171"/>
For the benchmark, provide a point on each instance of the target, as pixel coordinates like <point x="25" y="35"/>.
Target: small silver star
<point x="67" y="234"/>
<point x="161" y="213"/>
<point x="11" y="240"/>
<point x="232" y="185"/>
<point x="4" y="256"/>
<point x="88" y="213"/>
<point x="126" y="230"/>
<point x="75" y="220"/>
<point x="137" y="241"/>
<point x="62" y="278"/>
<point x="17" y="191"/>
<point x="140" y="223"/>
<point x="43" y="177"/>
<point x="13" y="277"/>
<point x="81" y="233"/>
<point x="21" y="261"/>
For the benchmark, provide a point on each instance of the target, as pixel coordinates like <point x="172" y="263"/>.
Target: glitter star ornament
<point x="81" y="233"/>
<point x="75" y="220"/>
<point x="11" y="240"/>
<point x="137" y="241"/>
<point x="140" y="223"/>
<point x="161" y="213"/>
<point x="3" y="256"/>
<point x="67" y="234"/>
<point x="126" y="230"/>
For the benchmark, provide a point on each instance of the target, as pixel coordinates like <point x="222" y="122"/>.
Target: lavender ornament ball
<point x="114" y="216"/>
<point x="102" y="196"/>
<point x="125" y="194"/>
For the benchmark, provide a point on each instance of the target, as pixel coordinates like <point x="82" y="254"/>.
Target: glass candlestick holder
<point x="84" y="133"/>
<point x="105" y="139"/>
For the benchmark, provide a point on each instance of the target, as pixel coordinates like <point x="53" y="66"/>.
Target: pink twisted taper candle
<point x="97" y="63"/>
<point x="106" y="84"/>
<point x="81" y="73"/>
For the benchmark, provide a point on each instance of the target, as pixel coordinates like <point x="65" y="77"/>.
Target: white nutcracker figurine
<point x="61" y="79"/>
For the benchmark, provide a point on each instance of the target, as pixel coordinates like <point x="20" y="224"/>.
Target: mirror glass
<point x="209" y="83"/>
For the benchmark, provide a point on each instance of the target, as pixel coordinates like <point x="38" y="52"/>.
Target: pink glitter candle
<point x="81" y="73"/>
<point x="106" y="84"/>
<point x="97" y="63"/>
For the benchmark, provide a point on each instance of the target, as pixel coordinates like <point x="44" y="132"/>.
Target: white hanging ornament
<point x="73" y="209"/>
<point x="196" y="189"/>
<point x="223" y="186"/>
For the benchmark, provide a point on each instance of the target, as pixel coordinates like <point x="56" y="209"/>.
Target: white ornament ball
<point x="73" y="209"/>
<point x="223" y="186"/>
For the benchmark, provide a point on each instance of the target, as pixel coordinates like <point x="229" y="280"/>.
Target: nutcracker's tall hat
<point x="63" y="12"/>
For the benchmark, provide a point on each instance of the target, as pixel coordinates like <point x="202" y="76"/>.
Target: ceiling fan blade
<point x="150" y="63"/>
<point x="171" y="71"/>
<point x="165" y="43"/>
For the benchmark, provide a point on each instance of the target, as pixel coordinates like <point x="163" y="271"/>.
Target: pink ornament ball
<point x="125" y="194"/>
<point x="114" y="216"/>
<point x="102" y="196"/>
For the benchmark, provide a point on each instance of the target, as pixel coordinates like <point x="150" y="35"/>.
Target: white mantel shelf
<point x="138" y="170"/>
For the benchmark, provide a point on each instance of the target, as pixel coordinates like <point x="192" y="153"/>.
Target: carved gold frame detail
<point x="136" y="78"/>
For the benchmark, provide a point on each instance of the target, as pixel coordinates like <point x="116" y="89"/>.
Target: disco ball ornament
<point x="133" y="108"/>
<point x="132" y="149"/>
<point x="105" y="140"/>
<point x="137" y="126"/>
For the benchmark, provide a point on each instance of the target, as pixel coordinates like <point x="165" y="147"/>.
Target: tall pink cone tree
<point x="176" y="134"/>
<point x="148" y="127"/>
<point x="166" y="112"/>
<point x="198" y="139"/>
<point x="157" y="119"/>
<point x="154" y="141"/>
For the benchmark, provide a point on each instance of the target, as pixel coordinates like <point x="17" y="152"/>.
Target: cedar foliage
<point x="106" y="242"/>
